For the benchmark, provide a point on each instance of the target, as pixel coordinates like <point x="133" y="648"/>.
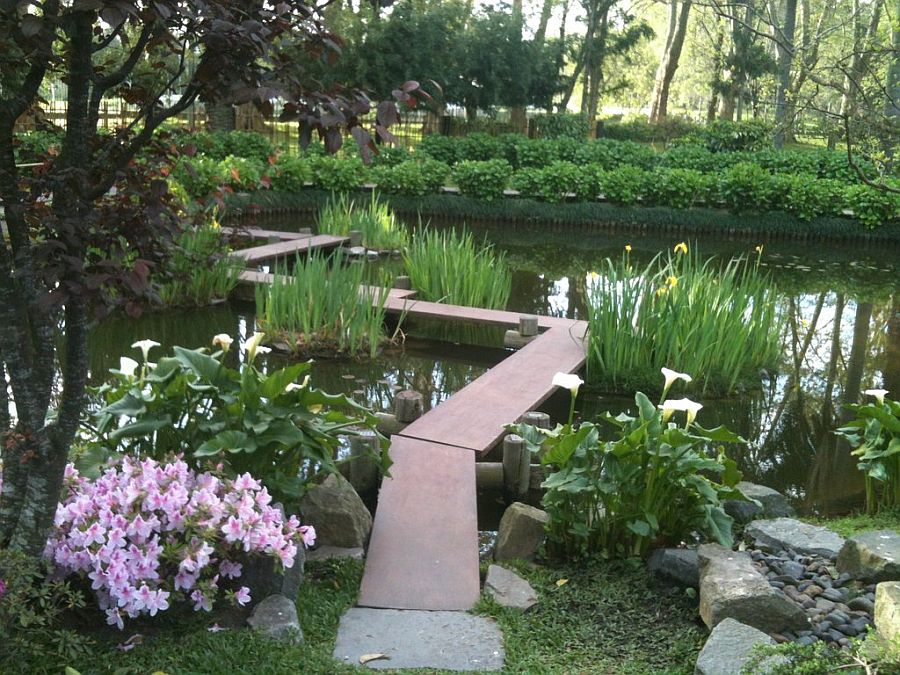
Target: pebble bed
<point x="838" y="607"/>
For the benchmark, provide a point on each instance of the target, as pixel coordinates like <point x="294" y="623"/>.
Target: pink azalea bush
<point x="146" y="534"/>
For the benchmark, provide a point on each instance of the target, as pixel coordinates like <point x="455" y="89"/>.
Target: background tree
<point x="679" y="11"/>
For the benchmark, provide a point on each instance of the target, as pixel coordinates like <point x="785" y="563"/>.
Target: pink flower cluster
<point x="146" y="534"/>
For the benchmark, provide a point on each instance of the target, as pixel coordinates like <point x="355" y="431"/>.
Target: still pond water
<point x="842" y="336"/>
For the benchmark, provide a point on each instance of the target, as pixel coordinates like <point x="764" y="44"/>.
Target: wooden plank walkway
<point x="260" y="233"/>
<point x="423" y="553"/>
<point x="284" y="249"/>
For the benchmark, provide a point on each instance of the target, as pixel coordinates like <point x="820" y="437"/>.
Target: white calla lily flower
<point x="127" y="366"/>
<point x="670" y="406"/>
<point x="569" y="381"/>
<point x="263" y="350"/>
<point x="672" y="375"/>
<point x="145" y="346"/>
<point x="222" y="340"/>
<point x="293" y="386"/>
<point x="879" y="394"/>
<point x="251" y="345"/>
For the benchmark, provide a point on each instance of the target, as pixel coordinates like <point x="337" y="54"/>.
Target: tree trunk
<point x="546" y="11"/>
<point x="784" y="36"/>
<point x="220" y="116"/>
<point x="863" y="38"/>
<point x="892" y="92"/>
<point x="892" y="349"/>
<point x="594" y="83"/>
<point x="678" y="22"/>
<point x="517" y="117"/>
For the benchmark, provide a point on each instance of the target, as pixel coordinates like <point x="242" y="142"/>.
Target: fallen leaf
<point x="562" y="582"/>
<point x="365" y="658"/>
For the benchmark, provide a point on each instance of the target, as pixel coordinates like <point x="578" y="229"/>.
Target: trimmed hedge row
<point x="743" y="187"/>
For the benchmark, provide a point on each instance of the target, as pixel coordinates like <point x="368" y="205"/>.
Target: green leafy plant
<point x="678" y="188"/>
<point x="447" y="266"/>
<point x="875" y="436"/>
<point x="718" y="319"/>
<point x="872" y="206"/>
<point x="200" y="176"/>
<point x="745" y="187"/>
<point x="416" y="178"/>
<point x="322" y="308"/>
<point x="272" y="424"/>
<point x="806" y="196"/>
<point x="561" y="125"/>
<point x="482" y="179"/>
<point x="290" y="173"/>
<point x="654" y="484"/>
<point x="624" y="185"/>
<point x="199" y="270"/>
<point x="338" y="174"/>
<point x="379" y="226"/>
<point x="441" y="148"/>
<point x="32" y="605"/>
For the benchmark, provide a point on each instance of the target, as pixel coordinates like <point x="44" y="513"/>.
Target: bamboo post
<point x="364" y="447"/>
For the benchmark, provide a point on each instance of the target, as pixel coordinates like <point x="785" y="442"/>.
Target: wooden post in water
<point x="355" y="238"/>
<point x="408" y="406"/>
<point x="364" y="447"/>
<point x="528" y="331"/>
<point x="536" y="419"/>
<point x="516" y="467"/>
<point x="403" y="282"/>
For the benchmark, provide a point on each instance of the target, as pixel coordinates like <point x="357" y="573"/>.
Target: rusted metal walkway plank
<point x="249" y="279"/>
<point x="283" y="249"/>
<point x="423" y="553"/>
<point x="475" y="415"/>
<point x="495" y="317"/>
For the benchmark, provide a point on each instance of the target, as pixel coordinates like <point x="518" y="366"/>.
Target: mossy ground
<point x="607" y="617"/>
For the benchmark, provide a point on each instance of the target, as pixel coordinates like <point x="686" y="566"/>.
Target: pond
<point x="842" y="336"/>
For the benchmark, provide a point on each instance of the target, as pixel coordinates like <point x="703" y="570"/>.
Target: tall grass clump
<point x="449" y="267"/>
<point x="319" y="309"/>
<point x="720" y="324"/>
<point x="199" y="271"/>
<point x="379" y="226"/>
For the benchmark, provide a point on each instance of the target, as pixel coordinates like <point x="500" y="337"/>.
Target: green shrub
<point x="319" y="309"/>
<point x="32" y="605"/>
<point x="34" y="146"/>
<point x="642" y="131"/>
<point x="806" y="196"/>
<point x="655" y="484"/>
<point x="571" y="150"/>
<point x="875" y="436"/>
<point x="726" y="136"/>
<point x="447" y="266"/>
<point x="415" y="178"/>
<point x="612" y="154"/>
<point x="746" y="187"/>
<point x="676" y="311"/>
<point x="441" y="148"/>
<point x="374" y="219"/>
<point x="200" y="176"/>
<point x="221" y="144"/>
<point x="390" y="156"/>
<point x="199" y="271"/>
<point x="241" y="173"/>
<point x="561" y="125"/>
<point x="834" y="164"/>
<point x="871" y="206"/>
<point x="270" y="423"/>
<point x="291" y="173"/>
<point x="483" y="180"/>
<point x="480" y="147"/>
<point x="677" y="188"/>
<point x="697" y="157"/>
<point x="554" y="182"/>
<point x="624" y="185"/>
<point x="338" y="174"/>
<point x="537" y="154"/>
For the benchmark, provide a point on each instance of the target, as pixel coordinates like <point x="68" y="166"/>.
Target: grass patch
<point x="318" y="309"/>
<point x="608" y="618"/>
<point x="718" y="324"/>
<point x="446" y="266"/>
<point x="199" y="271"/>
<point x="847" y="526"/>
<point x="374" y="218"/>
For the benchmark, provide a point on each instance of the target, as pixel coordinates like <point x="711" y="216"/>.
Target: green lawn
<point x="608" y="617"/>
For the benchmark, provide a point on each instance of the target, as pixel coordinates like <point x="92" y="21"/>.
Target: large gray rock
<point x="730" y="587"/>
<point x="264" y="577"/>
<point x="676" y="564"/>
<point x="767" y="503"/>
<point x="788" y="533"/>
<point x="393" y="638"/>
<point x="728" y="648"/>
<point x="509" y="589"/>
<point x="521" y="532"/>
<point x="337" y="513"/>
<point x="887" y="610"/>
<point x="871" y="556"/>
<point x="276" y="617"/>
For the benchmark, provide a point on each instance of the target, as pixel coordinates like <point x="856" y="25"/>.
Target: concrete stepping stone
<point x="419" y="639"/>
<point x="788" y="533"/>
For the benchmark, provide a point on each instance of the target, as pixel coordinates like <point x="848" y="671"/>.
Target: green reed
<point x="449" y="267"/>
<point x="322" y="308"/>
<point x="379" y="226"/>
<point x="719" y="324"/>
<point x="199" y="270"/>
